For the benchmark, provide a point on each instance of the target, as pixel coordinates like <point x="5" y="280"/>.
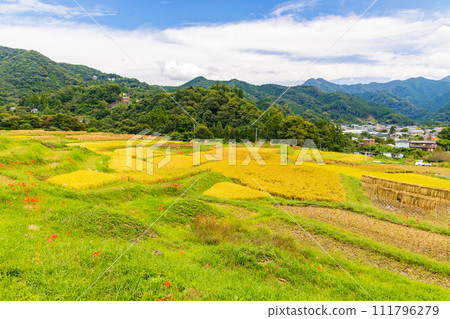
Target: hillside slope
<point x="23" y="73"/>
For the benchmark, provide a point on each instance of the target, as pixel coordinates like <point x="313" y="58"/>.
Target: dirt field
<point x="418" y="241"/>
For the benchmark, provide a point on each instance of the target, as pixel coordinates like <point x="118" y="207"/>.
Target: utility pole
<point x="256" y="137"/>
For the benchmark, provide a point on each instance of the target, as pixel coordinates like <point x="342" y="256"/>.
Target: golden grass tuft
<point x="4" y="180"/>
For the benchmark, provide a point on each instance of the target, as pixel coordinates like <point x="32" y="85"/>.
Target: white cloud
<point x="273" y="50"/>
<point x="15" y="7"/>
<point x="182" y="71"/>
<point x="291" y="7"/>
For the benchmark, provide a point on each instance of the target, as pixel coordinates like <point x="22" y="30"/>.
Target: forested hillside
<point x="24" y="73"/>
<point x="312" y="103"/>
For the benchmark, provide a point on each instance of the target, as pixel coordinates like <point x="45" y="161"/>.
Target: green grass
<point x="224" y="258"/>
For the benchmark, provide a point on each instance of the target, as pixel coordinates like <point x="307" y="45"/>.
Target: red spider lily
<point x="417" y="219"/>
<point x="97" y="253"/>
<point x="182" y="252"/>
<point x="275" y="271"/>
<point x="31" y="200"/>
<point x="221" y="249"/>
<point x="9" y="202"/>
<point x="207" y="266"/>
<point x="167" y="284"/>
<point x="67" y="233"/>
<point x="30" y="172"/>
<point x="319" y="268"/>
<point x="49" y="241"/>
<point x="54" y="236"/>
<point x="1" y="165"/>
<point x="64" y="203"/>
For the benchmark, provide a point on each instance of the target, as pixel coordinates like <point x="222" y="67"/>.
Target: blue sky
<point x="133" y="14"/>
<point x="263" y="41"/>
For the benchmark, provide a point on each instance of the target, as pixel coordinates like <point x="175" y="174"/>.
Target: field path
<point x="338" y="248"/>
<point x="415" y="240"/>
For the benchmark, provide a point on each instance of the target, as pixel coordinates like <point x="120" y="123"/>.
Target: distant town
<point x="392" y="140"/>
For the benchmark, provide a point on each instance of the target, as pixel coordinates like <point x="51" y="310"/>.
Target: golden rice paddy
<point x="84" y="180"/>
<point x="234" y="191"/>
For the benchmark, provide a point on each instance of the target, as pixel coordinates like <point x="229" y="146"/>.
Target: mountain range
<point x="416" y="98"/>
<point x="24" y="73"/>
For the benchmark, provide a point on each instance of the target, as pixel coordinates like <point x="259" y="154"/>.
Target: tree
<point x="392" y="129"/>
<point x="366" y="134"/>
<point x="203" y="133"/>
<point x="445" y="133"/>
<point x="294" y="127"/>
<point x="444" y="138"/>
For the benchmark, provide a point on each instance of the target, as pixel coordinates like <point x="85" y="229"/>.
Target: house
<point x="423" y="145"/>
<point x="402" y="144"/>
<point x="94" y="77"/>
<point x="35" y="110"/>
<point x="125" y="99"/>
<point x="416" y="132"/>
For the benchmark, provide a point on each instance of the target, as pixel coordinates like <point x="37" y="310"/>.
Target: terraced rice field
<point x="69" y="209"/>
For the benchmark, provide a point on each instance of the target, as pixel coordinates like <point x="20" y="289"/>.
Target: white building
<point x="402" y="144"/>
